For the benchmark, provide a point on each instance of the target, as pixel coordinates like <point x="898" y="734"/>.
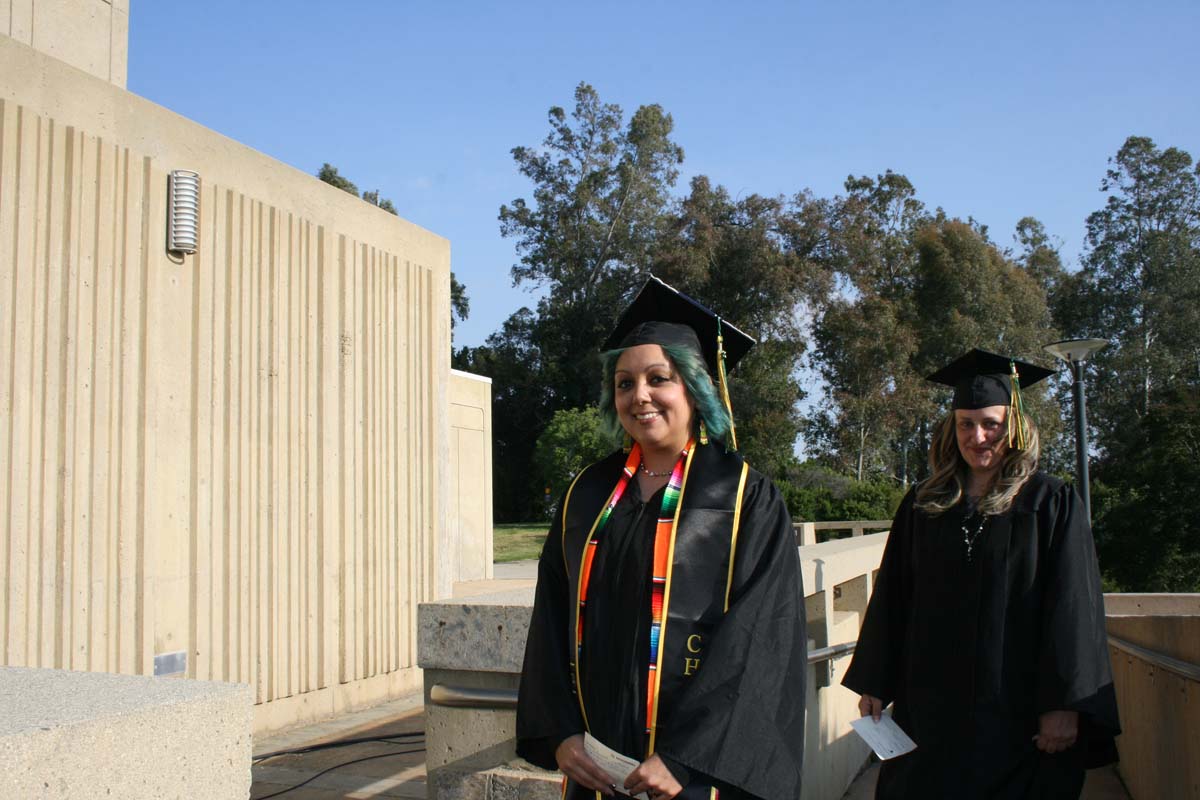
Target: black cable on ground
<point x="337" y="766"/>
<point x="312" y="748"/>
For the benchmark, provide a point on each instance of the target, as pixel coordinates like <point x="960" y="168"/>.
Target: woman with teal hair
<point x="668" y="623"/>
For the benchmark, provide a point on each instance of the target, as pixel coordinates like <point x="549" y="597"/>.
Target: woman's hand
<point x="870" y="706"/>
<point x="653" y="778"/>
<point x="1057" y="731"/>
<point x="576" y="764"/>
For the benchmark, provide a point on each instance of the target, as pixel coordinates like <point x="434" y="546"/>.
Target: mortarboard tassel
<point x="725" y="384"/>
<point x="1017" y="433"/>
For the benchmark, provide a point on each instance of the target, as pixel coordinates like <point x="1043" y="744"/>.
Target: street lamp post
<point x="1075" y="352"/>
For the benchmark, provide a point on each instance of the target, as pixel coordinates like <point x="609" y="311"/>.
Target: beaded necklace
<point x="970" y="537"/>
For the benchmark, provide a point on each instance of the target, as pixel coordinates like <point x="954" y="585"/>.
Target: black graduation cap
<point x="663" y="315"/>
<point x="981" y="379"/>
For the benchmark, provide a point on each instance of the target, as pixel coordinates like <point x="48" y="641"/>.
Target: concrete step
<point x="516" y="780"/>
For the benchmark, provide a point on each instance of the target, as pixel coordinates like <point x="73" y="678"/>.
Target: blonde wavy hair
<point x="947" y="481"/>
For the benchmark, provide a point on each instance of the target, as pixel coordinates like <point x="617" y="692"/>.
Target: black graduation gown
<point x="734" y="720"/>
<point x="972" y="652"/>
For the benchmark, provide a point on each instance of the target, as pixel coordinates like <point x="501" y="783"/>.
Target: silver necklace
<point x="652" y="473"/>
<point x="969" y="537"/>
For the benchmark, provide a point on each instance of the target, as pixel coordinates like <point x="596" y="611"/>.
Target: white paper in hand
<point x="617" y="765"/>
<point x="885" y="737"/>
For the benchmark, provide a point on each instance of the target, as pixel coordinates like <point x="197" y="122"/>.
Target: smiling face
<point x="651" y="401"/>
<point x="982" y="437"/>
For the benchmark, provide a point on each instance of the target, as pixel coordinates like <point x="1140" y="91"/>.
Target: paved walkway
<point x="391" y="766"/>
<point x="1101" y="784"/>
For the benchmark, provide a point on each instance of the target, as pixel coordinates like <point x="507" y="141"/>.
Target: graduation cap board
<point x="981" y="379"/>
<point x="661" y="314"/>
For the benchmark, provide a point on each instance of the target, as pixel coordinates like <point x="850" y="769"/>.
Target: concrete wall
<point x="91" y="35"/>
<point x="66" y="735"/>
<point x="240" y="456"/>
<point x="470" y="534"/>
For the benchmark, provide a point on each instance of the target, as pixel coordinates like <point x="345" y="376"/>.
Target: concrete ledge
<point x="93" y="734"/>
<point x="483" y="633"/>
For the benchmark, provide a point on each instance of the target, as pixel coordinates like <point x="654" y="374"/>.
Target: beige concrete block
<point x="86" y="734"/>
<point x="469" y="739"/>
<point x="486" y="634"/>
<point x="75" y="31"/>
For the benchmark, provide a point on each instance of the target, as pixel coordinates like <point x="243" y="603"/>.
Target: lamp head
<point x="1073" y="350"/>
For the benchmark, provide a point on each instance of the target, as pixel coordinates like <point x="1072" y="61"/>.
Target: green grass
<point x="518" y="542"/>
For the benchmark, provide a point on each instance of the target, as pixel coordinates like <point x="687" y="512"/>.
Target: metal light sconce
<point x="183" y="211"/>
<point x="1075" y="352"/>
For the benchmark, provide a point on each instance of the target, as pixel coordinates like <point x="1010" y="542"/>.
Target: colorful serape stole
<point x="658" y="580"/>
<point x="631" y="465"/>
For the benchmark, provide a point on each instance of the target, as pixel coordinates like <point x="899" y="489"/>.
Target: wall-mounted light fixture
<point x="183" y="211"/>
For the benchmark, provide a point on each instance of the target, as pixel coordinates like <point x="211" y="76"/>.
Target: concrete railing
<point x="89" y="734"/>
<point x="1154" y="641"/>
<point x="816" y="532"/>
<point x="471" y="648"/>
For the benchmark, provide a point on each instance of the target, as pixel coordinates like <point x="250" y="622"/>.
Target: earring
<point x="703" y="433"/>
<point x="627" y="444"/>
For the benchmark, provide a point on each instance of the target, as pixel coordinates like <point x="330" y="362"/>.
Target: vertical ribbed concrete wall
<point x="239" y="454"/>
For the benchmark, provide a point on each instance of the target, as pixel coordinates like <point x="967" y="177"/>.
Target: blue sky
<point x="996" y="111"/>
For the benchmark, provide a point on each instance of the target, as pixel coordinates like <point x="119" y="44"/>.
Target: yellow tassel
<point x="725" y="385"/>
<point x="703" y="433"/>
<point x="627" y="444"/>
<point x="1017" y="432"/>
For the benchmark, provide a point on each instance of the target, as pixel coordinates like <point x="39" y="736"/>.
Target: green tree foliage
<point x="1140" y="285"/>
<point x="601" y="188"/>
<point x="1140" y="289"/>
<point x="329" y="174"/>
<point x="815" y="493"/>
<point x="918" y="290"/>
<point x="573" y="439"/>
<point x="1147" y="522"/>
<point x="753" y="260"/>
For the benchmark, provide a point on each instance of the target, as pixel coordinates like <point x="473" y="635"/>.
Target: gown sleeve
<point x="547" y="709"/>
<point x="740" y="723"/>
<point x="876" y="668"/>
<point x="1074" y="670"/>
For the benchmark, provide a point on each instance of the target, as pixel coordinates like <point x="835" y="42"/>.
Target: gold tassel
<point x="703" y="433"/>
<point x="627" y="444"/>
<point x="725" y="385"/>
<point x="1017" y="431"/>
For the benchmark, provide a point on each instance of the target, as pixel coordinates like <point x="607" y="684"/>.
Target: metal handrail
<point x="1184" y="669"/>
<point x="464" y="697"/>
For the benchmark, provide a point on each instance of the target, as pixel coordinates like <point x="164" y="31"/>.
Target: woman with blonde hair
<point x="986" y="626"/>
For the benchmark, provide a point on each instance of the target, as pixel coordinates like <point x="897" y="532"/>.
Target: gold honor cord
<point x="1017" y="432"/>
<point x="724" y="381"/>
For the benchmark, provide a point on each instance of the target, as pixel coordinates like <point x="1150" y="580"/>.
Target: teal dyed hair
<point x="699" y="385"/>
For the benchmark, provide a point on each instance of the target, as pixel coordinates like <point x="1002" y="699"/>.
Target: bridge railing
<point x="1154" y="642"/>
<point x="817" y="532"/>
